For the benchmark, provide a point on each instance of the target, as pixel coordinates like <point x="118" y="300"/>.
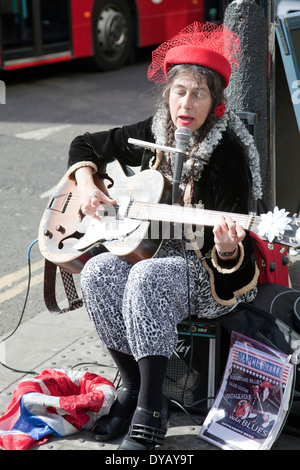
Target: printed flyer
<point x="253" y="400"/>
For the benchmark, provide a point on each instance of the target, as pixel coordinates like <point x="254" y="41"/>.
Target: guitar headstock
<point x="277" y="227"/>
<point x="291" y="237"/>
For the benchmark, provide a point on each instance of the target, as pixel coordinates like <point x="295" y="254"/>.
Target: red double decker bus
<point x="35" y="32"/>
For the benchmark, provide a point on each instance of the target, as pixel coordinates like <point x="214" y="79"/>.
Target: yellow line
<point x="10" y="279"/>
<point x="22" y="286"/>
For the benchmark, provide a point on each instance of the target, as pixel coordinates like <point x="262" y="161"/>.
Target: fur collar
<point x="201" y="152"/>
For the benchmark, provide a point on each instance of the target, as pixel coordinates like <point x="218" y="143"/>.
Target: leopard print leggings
<point x="136" y="308"/>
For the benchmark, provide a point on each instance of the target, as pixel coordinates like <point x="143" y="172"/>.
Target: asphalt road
<point x="45" y="109"/>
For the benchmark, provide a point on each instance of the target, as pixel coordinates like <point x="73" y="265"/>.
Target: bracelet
<point x="228" y="253"/>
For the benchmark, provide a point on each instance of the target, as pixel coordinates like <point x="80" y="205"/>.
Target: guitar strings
<point x="144" y="210"/>
<point x="208" y="217"/>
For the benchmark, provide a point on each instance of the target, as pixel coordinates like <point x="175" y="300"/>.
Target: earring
<point x="219" y="110"/>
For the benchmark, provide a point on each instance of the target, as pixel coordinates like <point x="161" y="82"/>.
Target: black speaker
<point x="196" y="367"/>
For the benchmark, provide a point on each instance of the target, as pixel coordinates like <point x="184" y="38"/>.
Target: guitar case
<point x="272" y="318"/>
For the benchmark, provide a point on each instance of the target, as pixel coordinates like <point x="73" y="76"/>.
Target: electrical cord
<point x="98" y="364"/>
<point x="21" y="318"/>
<point x="23" y="311"/>
<point x="184" y="405"/>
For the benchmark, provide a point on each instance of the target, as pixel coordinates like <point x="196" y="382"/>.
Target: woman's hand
<point x="90" y="194"/>
<point x="227" y="235"/>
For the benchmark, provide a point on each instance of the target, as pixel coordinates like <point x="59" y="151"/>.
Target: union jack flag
<point x="55" y="403"/>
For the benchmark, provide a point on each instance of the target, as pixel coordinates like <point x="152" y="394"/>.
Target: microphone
<point x="182" y="137"/>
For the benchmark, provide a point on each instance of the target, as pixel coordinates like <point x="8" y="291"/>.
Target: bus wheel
<point x="112" y="32"/>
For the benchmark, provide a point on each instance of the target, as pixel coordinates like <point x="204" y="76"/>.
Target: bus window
<point x="55" y="23"/>
<point x="17" y="27"/>
<point x="33" y="28"/>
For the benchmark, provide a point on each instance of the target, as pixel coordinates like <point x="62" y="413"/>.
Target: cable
<point x="190" y="322"/>
<point x="98" y="364"/>
<point x="23" y="311"/>
<point x="184" y="405"/>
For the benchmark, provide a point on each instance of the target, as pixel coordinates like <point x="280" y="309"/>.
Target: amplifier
<point x="196" y="367"/>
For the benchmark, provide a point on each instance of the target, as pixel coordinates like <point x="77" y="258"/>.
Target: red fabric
<point x="200" y="56"/>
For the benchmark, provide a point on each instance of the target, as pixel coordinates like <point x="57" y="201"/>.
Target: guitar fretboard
<point x="184" y="214"/>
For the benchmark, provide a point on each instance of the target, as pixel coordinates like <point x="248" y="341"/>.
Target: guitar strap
<point x="49" y="289"/>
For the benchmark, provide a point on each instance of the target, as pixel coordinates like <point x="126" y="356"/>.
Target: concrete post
<point x="251" y="85"/>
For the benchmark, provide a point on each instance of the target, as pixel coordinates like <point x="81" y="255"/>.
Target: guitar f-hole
<point x="81" y="215"/>
<point x="76" y="236"/>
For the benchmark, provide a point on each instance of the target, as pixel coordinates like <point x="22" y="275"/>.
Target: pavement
<point x="69" y="341"/>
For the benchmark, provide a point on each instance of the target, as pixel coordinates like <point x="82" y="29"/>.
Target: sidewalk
<point x="65" y="341"/>
<point x="62" y="342"/>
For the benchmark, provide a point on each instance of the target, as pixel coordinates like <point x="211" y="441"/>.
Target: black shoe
<point x="117" y="422"/>
<point x="143" y="436"/>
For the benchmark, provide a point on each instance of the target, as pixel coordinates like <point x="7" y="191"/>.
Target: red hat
<point x="200" y="56"/>
<point x="209" y="45"/>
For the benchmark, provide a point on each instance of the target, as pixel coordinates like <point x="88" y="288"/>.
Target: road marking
<point x="6" y="282"/>
<point x="39" y="134"/>
<point x="10" y="279"/>
<point x="21" y="287"/>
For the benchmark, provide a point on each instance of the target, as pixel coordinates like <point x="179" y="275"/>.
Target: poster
<point x="253" y="400"/>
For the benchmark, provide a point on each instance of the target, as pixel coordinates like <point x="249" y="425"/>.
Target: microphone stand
<point x="177" y="175"/>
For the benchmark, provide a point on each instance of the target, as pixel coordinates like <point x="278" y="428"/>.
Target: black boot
<point x="148" y="429"/>
<point x="117" y="422"/>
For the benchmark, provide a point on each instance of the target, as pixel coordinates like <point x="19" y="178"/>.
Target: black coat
<point x="224" y="185"/>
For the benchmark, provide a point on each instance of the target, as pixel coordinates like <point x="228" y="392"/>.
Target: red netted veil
<point x="207" y="44"/>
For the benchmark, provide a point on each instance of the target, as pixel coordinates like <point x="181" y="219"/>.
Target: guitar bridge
<point x="122" y="210"/>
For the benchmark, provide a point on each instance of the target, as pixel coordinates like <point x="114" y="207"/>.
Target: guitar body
<point x="63" y="226"/>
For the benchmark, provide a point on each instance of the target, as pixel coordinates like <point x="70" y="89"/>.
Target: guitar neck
<point x="185" y="215"/>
